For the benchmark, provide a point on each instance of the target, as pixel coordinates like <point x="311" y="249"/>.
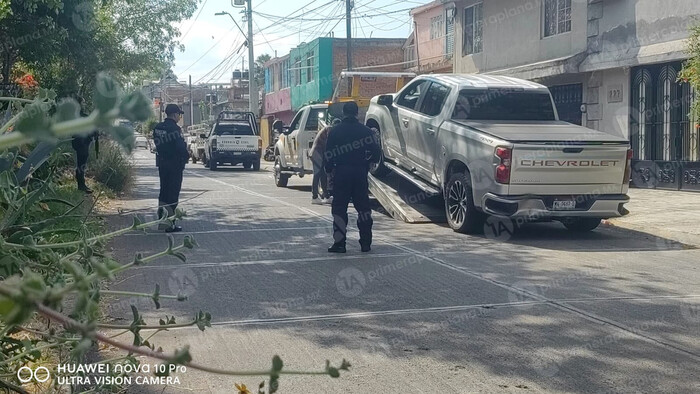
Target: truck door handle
<point x="430" y="130"/>
<point x="573" y="150"/>
<point x="405" y="121"/>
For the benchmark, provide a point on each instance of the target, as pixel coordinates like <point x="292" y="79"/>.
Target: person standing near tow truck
<point x="351" y="147"/>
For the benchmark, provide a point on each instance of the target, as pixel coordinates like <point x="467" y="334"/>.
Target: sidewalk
<point x="673" y="215"/>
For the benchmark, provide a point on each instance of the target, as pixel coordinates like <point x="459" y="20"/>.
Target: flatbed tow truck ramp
<point x="405" y="201"/>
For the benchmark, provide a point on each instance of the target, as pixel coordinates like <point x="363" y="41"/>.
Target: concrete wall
<point x="513" y="35"/>
<point x="369" y="52"/>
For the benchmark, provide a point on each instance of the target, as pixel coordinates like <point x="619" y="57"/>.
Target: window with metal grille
<point x="557" y="17"/>
<point x="309" y="66"/>
<point x="297" y="71"/>
<point x="473" y="29"/>
<point x="437" y="27"/>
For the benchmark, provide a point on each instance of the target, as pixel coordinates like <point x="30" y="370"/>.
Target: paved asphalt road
<point x="428" y="310"/>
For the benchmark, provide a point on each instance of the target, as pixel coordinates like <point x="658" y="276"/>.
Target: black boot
<point x="80" y="178"/>
<point x="337" y="248"/>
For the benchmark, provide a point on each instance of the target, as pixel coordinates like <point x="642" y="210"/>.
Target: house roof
<point x="427" y="7"/>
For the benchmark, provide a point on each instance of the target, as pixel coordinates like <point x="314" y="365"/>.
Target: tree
<point x="691" y="68"/>
<point x="260" y="70"/>
<point x="66" y="42"/>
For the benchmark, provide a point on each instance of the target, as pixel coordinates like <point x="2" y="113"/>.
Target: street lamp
<point x="252" y="83"/>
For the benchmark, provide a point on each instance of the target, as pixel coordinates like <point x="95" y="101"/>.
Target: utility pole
<point x="252" y="83"/>
<point x="348" y="28"/>
<point x="191" y="103"/>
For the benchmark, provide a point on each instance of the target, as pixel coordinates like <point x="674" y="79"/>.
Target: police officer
<point x="171" y="157"/>
<point x="81" y="145"/>
<point x="350" y="148"/>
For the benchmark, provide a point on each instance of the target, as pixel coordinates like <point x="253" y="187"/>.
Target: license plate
<point x="237" y="153"/>
<point x="564" y="205"/>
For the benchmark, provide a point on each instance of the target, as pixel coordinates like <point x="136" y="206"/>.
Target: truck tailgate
<point x="568" y="169"/>
<point x="237" y="143"/>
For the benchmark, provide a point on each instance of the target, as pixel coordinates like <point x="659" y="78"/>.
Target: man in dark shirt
<point x="171" y="151"/>
<point x="350" y="148"/>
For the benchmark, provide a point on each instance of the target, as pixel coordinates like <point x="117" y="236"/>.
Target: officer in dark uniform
<point x="350" y="148"/>
<point x="81" y="145"/>
<point x="171" y="157"/>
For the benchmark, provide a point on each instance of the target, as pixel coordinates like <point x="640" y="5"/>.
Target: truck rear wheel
<point x="281" y="179"/>
<point x="247" y="165"/>
<point x="462" y="215"/>
<point x="581" y="225"/>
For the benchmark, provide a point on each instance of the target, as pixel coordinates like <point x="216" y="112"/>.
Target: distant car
<point x="141" y="142"/>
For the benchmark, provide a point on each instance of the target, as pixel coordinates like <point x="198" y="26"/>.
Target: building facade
<point x="311" y="70"/>
<point x="430" y="48"/>
<point x="610" y="65"/>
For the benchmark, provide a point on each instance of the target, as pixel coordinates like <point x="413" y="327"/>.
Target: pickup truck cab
<point x="295" y="141"/>
<point x="234" y="139"/>
<point x="494" y="146"/>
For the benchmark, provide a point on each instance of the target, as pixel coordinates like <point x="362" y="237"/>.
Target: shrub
<point x="112" y="167"/>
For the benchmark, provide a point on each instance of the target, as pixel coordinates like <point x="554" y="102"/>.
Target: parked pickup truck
<point x="495" y="146"/>
<point x="295" y="141"/>
<point x="234" y="139"/>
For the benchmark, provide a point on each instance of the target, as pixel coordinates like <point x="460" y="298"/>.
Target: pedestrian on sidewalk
<point x="350" y="148"/>
<point x="320" y="177"/>
<point x="171" y="157"/>
<point x="81" y="145"/>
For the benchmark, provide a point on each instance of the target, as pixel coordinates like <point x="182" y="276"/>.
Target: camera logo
<point x="40" y="374"/>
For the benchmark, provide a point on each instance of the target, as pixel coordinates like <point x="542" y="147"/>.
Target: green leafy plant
<point x="53" y="269"/>
<point x="691" y="68"/>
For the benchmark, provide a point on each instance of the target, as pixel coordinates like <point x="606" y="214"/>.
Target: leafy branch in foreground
<point x="53" y="270"/>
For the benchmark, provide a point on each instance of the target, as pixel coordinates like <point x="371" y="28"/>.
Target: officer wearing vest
<point x="171" y="157"/>
<point x="350" y="148"/>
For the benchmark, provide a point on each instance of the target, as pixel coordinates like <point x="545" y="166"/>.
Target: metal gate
<point x="568" y="99"/>
<point x="662" y="133"/>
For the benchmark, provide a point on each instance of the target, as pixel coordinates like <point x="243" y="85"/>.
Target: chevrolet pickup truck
<point x="493" y="145"/>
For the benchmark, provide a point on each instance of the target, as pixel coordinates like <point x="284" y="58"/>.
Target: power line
<point x="209" y="50"/>
<point x="195" y="20"/>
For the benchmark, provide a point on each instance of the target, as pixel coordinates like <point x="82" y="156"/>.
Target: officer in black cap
<point x="350" y="148"/>
<point x="171" y="156"/>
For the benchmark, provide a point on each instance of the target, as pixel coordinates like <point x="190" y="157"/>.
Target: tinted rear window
<point x="503" y="104"/>
<point x="233" y="129"/>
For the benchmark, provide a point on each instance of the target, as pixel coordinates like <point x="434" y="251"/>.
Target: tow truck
<point x="295" y="141"/>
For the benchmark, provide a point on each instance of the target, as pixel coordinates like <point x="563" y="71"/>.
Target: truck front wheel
<point x="378" y="169"/>
<point x="256" y="165"/>
<point x="281" y="179"/>
<point x="462" y="215"/>
<point x="581" y="225"/>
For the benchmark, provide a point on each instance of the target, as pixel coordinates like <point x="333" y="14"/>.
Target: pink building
<point x="431" y="45"/>
<point x="277" y="99"/>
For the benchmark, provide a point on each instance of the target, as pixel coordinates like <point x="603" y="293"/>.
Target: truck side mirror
<point x="386" y="100"/>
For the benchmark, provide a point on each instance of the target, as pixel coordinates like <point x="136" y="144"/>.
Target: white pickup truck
<point x="495" y="146"/>
<point x="295" y="141"/>
<point x="234" y="139"/>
